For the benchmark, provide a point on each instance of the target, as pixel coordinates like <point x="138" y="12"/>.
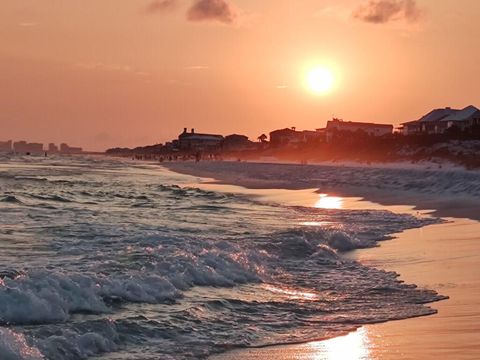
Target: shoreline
<point x="437" y="262"/>
<point x="441" y="204"/>
<point x="451" y="333"/>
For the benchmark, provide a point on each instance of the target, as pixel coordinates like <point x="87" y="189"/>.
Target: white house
<point x="338" y="125"/>
<point x="438" y="121"/>
<point x="198" y="142"/>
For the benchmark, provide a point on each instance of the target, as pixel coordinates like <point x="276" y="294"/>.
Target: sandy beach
<point x="443" y="257"/>
<point x="448" y="192"/>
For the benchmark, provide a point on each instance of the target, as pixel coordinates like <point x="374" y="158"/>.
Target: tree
<point x="262" y="138"/>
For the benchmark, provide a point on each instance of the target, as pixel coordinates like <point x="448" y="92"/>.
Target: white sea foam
<point x="53" y="296"/>
<point x="14" y="346"/>
<point x="394" y="177"/>
<point x="132" y="264"/>
<point x="69" y="344"/>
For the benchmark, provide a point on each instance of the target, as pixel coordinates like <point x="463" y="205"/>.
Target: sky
<point x="105" y="73"/>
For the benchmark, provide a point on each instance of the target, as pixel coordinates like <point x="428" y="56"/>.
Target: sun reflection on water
<point x="329" y="202"/>
<point x="354" y="346"/>
<point x="316" y="223"/>
<point x="292" y="294"/>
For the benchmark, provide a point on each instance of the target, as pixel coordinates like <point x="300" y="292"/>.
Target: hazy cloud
<point x="197" y="67"/>
<point x="103" y="137"/>
<point x="27" y="24"/>
<point x="159" y="6"/>
<point x="384" y="11"/>
<point x="200" y="10"/>
<point x="211" y="10"/>
<point x="104" y="67"/>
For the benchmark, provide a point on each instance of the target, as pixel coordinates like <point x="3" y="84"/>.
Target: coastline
<point x="452" y="333"/>
<point x="440" y="202"/>
<point x="445" y="259"/>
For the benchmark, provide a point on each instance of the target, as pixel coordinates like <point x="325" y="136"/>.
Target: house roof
<point x="463" y="114"/>
<point x="446" y="114"/>
<point x="236" y="136"/>
<point x="286" y="130"/>
<point x="414" y="122"/>
<point x="196" y="136"/>
<point x="438" y="114"/>
<point x="362" y="124"/>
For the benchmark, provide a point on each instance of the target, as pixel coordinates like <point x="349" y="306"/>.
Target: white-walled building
<point x="438" y="121"/>
<point x="338" y="125"/>
<point x="198" y="142"/>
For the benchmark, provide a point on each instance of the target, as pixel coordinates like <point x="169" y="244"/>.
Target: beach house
<point x="287" y="136"/>
<point x="193" y="141"/>
<point x="237" y="142"/>
<point x="338" y="125"/>
<point x="438" y="121"/>
<point x="465" y="118"/>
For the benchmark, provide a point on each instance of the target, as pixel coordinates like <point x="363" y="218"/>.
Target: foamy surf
<point x="123" y="261"/>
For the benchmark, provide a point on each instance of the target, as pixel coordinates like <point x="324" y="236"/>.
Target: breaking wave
<point x="126" y="263"/>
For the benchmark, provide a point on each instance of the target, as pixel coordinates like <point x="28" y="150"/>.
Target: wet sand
<point x="289" y="177"/>
<point x="444" y="257"/>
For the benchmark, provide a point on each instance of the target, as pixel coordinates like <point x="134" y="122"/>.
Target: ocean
<point x="113" y="259"/>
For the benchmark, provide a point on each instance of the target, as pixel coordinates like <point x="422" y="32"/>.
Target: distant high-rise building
<point x="52" y="148"/>
<point x="24" y="147"/>
<point x="65" y="149"/>
<point x="6" y="146"/>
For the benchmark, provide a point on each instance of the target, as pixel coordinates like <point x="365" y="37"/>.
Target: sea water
<point x="113" y="259"/>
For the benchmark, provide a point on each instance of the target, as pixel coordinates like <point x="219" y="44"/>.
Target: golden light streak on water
<point x="292" y="294"/>
<point x="354" y="346"/>
<point x="329" y="202"/>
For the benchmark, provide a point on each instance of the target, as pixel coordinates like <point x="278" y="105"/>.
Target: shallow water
<point x="124" y="261"/>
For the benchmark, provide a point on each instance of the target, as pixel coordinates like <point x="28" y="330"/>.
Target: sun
<point x="320" y="80"/>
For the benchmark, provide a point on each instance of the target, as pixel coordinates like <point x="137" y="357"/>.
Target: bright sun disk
<point x="320" y="80"/>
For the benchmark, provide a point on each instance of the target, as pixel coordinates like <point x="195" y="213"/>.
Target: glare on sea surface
<point x="329" y="202"/>
<point x="354" y="346"/>
<point x="316" y="223"/>
<point x="292" y="294"/>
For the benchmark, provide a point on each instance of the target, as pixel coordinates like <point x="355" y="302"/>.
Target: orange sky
<point x="101" y="73"/>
